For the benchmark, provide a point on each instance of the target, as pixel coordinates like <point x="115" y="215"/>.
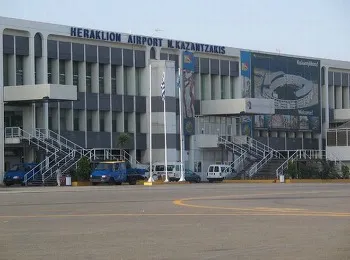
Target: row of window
<point x="77" y="126"/>
<point x="16" y="120"/>
<point x="63" y="78"/>
<point x="102" y="77"/>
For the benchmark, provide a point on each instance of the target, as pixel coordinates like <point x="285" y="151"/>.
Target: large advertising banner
<point x="188" y="97"/>
<point x="246" y="121"/>
<point x="294" y="84"/>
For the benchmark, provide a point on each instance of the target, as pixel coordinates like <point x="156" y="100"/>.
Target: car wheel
<point x="132" y="182"/>
<point x="111" y="181"/>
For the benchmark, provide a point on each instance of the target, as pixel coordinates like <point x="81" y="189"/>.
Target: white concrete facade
<point x="102" y="110"/>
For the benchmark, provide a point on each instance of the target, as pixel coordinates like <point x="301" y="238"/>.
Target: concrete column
<point x="42" y="66"/>
<point x="29" y="64"/>
<point x="326" y="102"/>
<point x="2" y="145"/>
<point x="46" y="117"/>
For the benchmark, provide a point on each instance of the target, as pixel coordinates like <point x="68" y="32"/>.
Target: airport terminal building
<point x="72" y="89"/>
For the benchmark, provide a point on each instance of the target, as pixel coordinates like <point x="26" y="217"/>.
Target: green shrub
<point x="83" y="169"/>
<point x="292" y="171"/>
<point x="345" y="172"/>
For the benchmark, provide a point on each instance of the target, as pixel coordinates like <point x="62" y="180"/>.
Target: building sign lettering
<point x="145" y="40"/>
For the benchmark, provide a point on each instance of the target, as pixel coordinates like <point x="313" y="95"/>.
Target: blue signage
<point x="145" y="40"/>
<point x="245" y="64"/>
<point x="188" y="61"/>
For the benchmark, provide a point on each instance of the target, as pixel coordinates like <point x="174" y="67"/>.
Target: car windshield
<point x="17" y="167"/>
<point x="105" y="166"/>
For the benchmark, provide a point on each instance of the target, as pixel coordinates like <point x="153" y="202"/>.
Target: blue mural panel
<point x="294" y="85"/>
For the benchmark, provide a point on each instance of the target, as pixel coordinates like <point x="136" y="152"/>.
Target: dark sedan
<point x="190" y="176"/>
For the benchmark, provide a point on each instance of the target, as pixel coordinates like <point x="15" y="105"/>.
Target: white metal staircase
<point x="14" y="134"/>
<point x="248" y="147"/>
<point x="63" y="153"/>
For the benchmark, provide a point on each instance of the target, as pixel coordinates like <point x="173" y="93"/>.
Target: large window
<point x="114" y="122"/>
<point x="114" y="79"/>
<point x="49" y="71"/>
<point x="202" y="87"/>
<point x="223" y="92"/>
<point x="102" y="121"/>
<point x="75" y="73"/>
<point x="126" y="122"/>
<point x="62" y="72"/>
<point x="19" y="70"/>
<point x="212" y="87"/>
<point x="88" y="77"/>
<point x="232" y="87"/>
<point x="101" y="75"/>
<point x="63" y="116"/>
<point x="125" y="80"/>
<point x="76" y="120"/>
<point x="88" y="120"/>
<point x="138" y="81"/>
<point x="138" y="123"/>
<point x="5" y="69"/>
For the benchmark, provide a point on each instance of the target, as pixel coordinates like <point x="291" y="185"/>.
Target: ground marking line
<point x="260" y="210"/>
<point x="177" y="214"/>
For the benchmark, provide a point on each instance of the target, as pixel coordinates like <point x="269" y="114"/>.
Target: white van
<point x="218" y="172"/>
<point x="174" y="170"/>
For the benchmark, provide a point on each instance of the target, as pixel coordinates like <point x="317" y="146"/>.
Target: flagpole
<point x="150" y="179"/>
<point x="165" y="130"/>
<point x="182" y="176"/>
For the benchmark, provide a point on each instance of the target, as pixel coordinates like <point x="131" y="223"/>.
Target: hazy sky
<point x="317" y="28"/>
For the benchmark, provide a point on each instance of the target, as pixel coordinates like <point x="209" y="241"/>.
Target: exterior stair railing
<point x="307" y="154"/>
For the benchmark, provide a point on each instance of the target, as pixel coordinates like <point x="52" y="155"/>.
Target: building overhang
<point x="341" y="115"/>
<point x="241" y="106"/>
<point x="41" y="92"/>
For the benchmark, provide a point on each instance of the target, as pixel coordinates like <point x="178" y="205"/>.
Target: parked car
<point x="190" y="176"/>
<point x="116" y="172"/>
<point x="16" y="174"/>
<point x="218" y="172"/>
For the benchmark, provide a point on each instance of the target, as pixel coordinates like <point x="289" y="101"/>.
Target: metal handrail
<point x="58" y="164"/>
<point x="261" y="163"/>
<point x="238" y="163"/>
<point x="305" y="154"/>
<point x="17" y="132"/>
<point x="252" y="147"/>
<point x="55" y="137"/>
<point x="235" y="147"/>
<point x="38" y="168"/>
<point x="259" y="147"/>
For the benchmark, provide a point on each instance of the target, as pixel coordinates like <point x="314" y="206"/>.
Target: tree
<point x="83" y="169"/>
<point x="328" y="170"/>
<point x="123" y="140"/>
<point x="346" y="172"/>
<point x="292" y="170"/>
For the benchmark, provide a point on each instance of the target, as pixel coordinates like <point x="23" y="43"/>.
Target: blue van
<point x="111" y="172"/>
<point x="16" y="174"/>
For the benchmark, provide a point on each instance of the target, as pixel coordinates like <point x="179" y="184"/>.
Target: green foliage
<point x="292" y="171"/>
<point x="123" y="140"/>
<point x="328" y="170"/>
<point x="345" y="171"/>
<point x="83" y="169"/>
<point x="309" y="170"/>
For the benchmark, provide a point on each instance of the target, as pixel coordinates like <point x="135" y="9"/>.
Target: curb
<point x="289" y="181"/>
<point x="163" y="183"/>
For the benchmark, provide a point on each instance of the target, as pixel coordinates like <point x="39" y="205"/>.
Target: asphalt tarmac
<point x="194" y="221"/>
